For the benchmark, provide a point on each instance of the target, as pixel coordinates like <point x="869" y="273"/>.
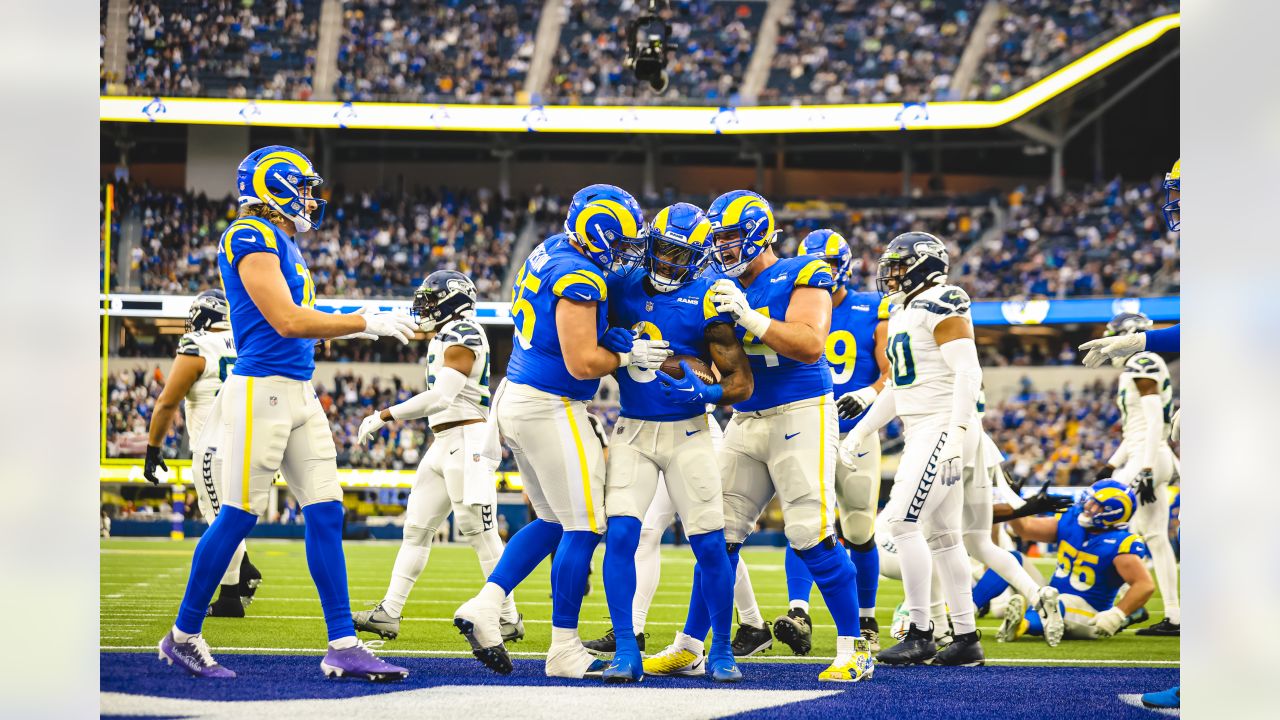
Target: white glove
<point x="1176" y="431"/>
<point x="1109" y="622"/>
<point x="847" y="451"/>
<point x="645" y="354"/>
<point x="951" y="457"/>
<point x="391" y="324"/>
<point x="357" y="335"/>
<point x="729" y="298"/>
<point x="369" y="426"/>
<point x="1116" y="348"/>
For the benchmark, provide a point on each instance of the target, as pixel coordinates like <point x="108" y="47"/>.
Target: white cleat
<point x="571" y="660"/>
<point x="485" y="620"/>
<point x="1011" y="625"/>
<point x="1047" y="606"/>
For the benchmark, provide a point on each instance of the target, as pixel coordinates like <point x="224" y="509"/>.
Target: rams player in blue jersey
<point x="1097" y="556"/>
<point x="562" y="348"/>
<point x="859" y="369"/>
<point x="666" y="435"/>
<point x="271" y="419"/>
<point x="782" y="440"/>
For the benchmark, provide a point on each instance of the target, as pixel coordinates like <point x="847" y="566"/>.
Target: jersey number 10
<point x="904" y="365"/>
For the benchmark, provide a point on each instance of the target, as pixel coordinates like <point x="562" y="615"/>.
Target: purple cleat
<point x="192" y="656"/>
<point x="359" y="661"/>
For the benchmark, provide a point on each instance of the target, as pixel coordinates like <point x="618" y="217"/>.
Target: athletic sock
<point x="866" y="560"/>
<point x="648" y="572"/>
<point x="342" y="643"/>
<point x="569" y="576"/>
<point x="698" y="623"/>
<point x="717" y="585"/>
<point x="232" y="575"/>
<point x="488" y="547"/>
<point x="799" y="579"/>
<point x="526" y="550"/>
<point x="744" y="596"/>
<point x="209" y="563"/>
<point x="1009" y="566"/>
<point x="411" y="560"/>
<point x="989" y="587"/>
<point x="328" y="566"/>
<point x="621" y="541"/>
<point x="957" y="588"/>
<point x="917" y="573"/>
<point x="1166" y="567"/>
<point x="833" y="571"/>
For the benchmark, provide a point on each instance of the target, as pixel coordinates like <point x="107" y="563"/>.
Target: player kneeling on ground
<point x="1097" y="555"/>
<point x="457" y="472"/>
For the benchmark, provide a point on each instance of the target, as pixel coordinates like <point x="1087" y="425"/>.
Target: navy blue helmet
<point x="1127" y="323"/>
<point x="209" y="311"/>
<point x="443" y="296"/>
<point x="912" y="262"/>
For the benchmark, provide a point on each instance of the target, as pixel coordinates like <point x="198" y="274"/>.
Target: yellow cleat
<point x="675" y="660"/>
<point x="857" y="667"/>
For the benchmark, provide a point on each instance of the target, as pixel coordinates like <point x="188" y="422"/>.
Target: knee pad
<point x="858" y="529"/>
<point x="737" y="526"/>
<point x="802" y="537"/>
<point x="472" y="519"/>
<point x="418" y="536"/>
<point x="899" y="529"/>
<point x="943" y="540"/>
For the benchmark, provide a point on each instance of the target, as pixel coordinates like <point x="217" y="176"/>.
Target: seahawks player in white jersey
<point x="457" y="472"/>
<point x="1144" y="461"/>
<point x="206" y="353"/>
<point x="936" y="379"/>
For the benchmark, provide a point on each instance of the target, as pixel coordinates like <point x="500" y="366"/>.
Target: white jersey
<point x="472" y="402"/>
<point x="218" y="348"/>
<point x="1134" y="423"/>
<point x="923" y="384"/>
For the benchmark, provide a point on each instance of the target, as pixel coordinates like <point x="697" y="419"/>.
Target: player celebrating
<point x="1144" y="461"/>
<point x="783" y="439"/>
<point x="271" y="418"/>
<point x="859" y="369"/>
<point x="936" y="381"/>
<point x="457" y="469"/>
<point x="206" y="353"/>
<point x="562" y="348"/>
<point x="1097" y="555"/>
<point x="666" y="436"/>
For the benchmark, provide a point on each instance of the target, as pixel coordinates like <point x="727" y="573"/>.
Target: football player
<point x="1097" y="556"/>
<point x="783" y="439"/>
<point x="562" y="348"/>
<point x="206" y="354"/>
<point x="1144" y="461"/>
<point x="936" y="380"/>
<point x="457" y="470"/>
<point x="859" y="369"/>
<point x="271" y="419"/>
<point x="664" y="434"/>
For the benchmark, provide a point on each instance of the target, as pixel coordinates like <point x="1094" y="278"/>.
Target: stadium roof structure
<point x="945" y="115"/>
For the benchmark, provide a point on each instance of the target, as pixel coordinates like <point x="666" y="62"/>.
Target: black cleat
<point x="606" y="645"/>
<point x="917" y="648"/>
<point x="229" y="603"/>
<point x="965" y="650"/>
<point x="250" y="579"/>
<point x="796" y="630"/>
<point x="495" y="658"/>
<point x="749" y="640"/>
<point x="1164" y="628"/>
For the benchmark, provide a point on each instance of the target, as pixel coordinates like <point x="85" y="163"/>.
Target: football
<point x="671" y="366"/>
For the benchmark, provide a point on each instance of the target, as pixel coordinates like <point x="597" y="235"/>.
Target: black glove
<point x="1145" y="487"/>
<point x="1104" y="472"/>
<point x="153" y="461"/>
<point x="1042" y="503"/>
<point x="850" y="406"/>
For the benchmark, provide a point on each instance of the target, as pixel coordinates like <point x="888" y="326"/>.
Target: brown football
<point x="671" y="366"/>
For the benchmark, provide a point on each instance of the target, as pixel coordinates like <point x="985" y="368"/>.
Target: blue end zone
<point x="1035" y="693"/>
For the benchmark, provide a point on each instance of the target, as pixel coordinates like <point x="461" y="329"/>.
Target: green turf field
<point x="142" y="583"/>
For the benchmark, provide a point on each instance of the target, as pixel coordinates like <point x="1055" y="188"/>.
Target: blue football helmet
<point x="209" y="311"/>
<point x="1173" y="197"/>
<point x="912" y="262"/>
<point x="742" y="226"/>
<point x="283" y="179"/>
<point x="1127" y="323"/>
<point x="607" y="223"/>
<point x="678" y="244"/>
<point x="832" y="247"/>
<point x="1107" y="504"/>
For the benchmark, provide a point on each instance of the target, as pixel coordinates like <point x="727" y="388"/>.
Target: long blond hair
<point x="266" y="212"/>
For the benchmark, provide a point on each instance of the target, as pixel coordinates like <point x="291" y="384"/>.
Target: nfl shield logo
<point x="273" y="401"/>
<point x="648" y="306"/>
<point x="475" y="457"/>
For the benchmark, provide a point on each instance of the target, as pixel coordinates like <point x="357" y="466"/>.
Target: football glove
<point x="369" y="426"/>
<point x="689" y="390"/>
<point x="153" y="461"/>
<point x="1144" y="487"/>
<point x="848" y="448"/>
<point x="617" y="339"/>
<point x="645" y="354"/>
<point x="729" y="298"/>
<point x="355" y="335"/>
<point x="1116" y="348"/>
<point x="852" y="404"/>
<point x="1104" y="472"/>
<point x="1040" y="504"/>
<point x="389" y="324"/>
<point x="1109" y="622"/>
<point x="951" y="456"/>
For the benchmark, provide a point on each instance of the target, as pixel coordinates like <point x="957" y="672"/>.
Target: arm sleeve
<point x="884" y="409"/>
<point x="1153" y="413"/>
<point x="962" y="357"/>
<point x="449" y="383"/>
<point x="1167" y="340"/>
<point x="1120" y="456"/>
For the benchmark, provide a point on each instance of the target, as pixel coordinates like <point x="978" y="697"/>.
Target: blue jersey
<point x="851" y="345"/>
<point x="261" y="351"/>
<point x="554" y="270"/>
<point x="680" y="317"/>
<point x="1086" y="560"/>
<point x="779" y="379"/>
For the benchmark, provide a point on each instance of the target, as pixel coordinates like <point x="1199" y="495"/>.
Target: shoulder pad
<point x="1144" y="363"/>
<point x="462" y="332"/>
<point x="187" y="345"/>
<point x="943" y="300"/>
<point x="814" y="273"/>
<point x="1132" y="544"/>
